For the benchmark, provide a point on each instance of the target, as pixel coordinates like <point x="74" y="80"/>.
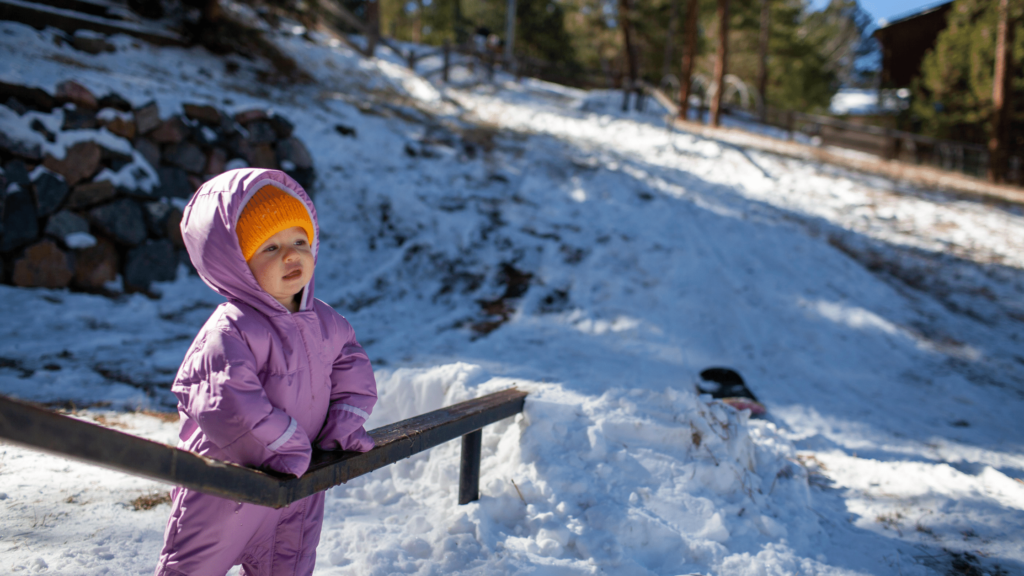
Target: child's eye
<point x="271" y="248"/>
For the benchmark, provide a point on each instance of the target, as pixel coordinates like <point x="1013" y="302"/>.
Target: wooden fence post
<point x="447" y="58"/>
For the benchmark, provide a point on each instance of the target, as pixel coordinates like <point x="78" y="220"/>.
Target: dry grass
<point x="152" y="500"/>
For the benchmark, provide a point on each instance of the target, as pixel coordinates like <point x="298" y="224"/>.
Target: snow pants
<point x="207" y="535"/>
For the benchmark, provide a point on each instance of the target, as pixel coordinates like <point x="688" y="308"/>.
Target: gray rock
<point x="186" y="156"/>
<point x="261" y="132"/>
<point x="170" y="131"/>
<point x="90" y="194"/>
<point x="147" y="118"/>
<point x="121" y="220"/>
<point x="21" y="225"/>
<point x="91" y="44"/>
<point x="281" y="125"/>
<point x="31" y="152"/>
<point x="154" y="261"/>
<point x="34" y="97"/>
<point x="79" y="119"/>
<point x="17" y="173"/>
<point x="174" y="183"/>
<point x="50" y="190"/>
<point x="156" y="217"/>
<point x="64" y="222"/>
<point x="149" y="151"/>
<point x="115" y="101"/>
<point x="16" y="105"/>
<point x="292" y="150"/>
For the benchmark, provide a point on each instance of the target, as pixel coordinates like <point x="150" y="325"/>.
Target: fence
<point x="29" y="425"/>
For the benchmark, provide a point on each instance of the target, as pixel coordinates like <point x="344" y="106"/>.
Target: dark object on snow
<point x="727" y="385"/>
<point x="345" y="130"/>
<point x="115" y="101"/>
<point x="122" y="220"/>
<point x="154" y="261"/>
<point x="41" y="429"/>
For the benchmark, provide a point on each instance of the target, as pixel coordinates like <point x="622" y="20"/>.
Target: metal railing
<point x="41" y="429"/>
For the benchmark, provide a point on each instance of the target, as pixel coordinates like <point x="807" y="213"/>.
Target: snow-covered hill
<point x="483" y="235"/>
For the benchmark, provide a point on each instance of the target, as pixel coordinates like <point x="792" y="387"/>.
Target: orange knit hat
<point x="268" y="212"/>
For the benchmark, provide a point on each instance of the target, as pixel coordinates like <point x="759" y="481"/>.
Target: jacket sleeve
<point x="353" y="395"/>
<point x="218" y="387"/>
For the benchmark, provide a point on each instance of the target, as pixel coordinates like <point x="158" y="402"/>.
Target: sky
<point x="889" y="9"/>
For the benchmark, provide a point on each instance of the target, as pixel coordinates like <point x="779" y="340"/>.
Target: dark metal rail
<point x="29" y="425"/>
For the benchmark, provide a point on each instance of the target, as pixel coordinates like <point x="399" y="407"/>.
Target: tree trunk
<point x="689" y="55"/>
<point x="666" y="67"/>
<point x="373" y="25"/>
<point x="720" y="61"/>
<point x="1001" y="107"/>
<point x="762" y="69"/>
<point x="627" y="39"/>
<point x="417" y="25"/>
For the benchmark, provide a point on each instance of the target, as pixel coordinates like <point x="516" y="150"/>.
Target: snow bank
<point x="627" y="482"/>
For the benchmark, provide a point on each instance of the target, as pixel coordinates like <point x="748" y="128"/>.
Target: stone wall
<point x="91" y="189"/>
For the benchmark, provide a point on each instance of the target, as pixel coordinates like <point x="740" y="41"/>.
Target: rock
<point x="71" y="91"/>
<point x="44" y="265"/>
<point x="38" y="126"/>
<point x="91" y="42"/>
<point x="186" y="156"/>
<point x="96" y="266"/>
<point x="31" y="152"/>
<point x="81" y="162"/>
<point x="121" y="127"/>
<point x="282" y="127"/>
<point x="262" y="156"/>
<point x="205" y="114"/>
<point x="121" y="220"/>
<point x="292" y="150"/>
<point x="115" y="101"/>
<point x="164" y="221"/>
<point x="90" y="194"/>
<point x="174" y="183"/>
<point x="63" y="223"/>
<point x="147" y="118"/>
<point x="21" y="225"/>
<point x="16" y="105"/>
<point x="306" y="177"/>
<point x="50" y="191"/>
<point x="173" y="228"/>
<point x="17" y="173"/>
<point x="156" y="217"/>
<point x="236" y="163"/>
<point x="216" y="160"/>
<point x="248" y="116"/>
<point x="33" y="97"/>
<point x="154" y="261"/>
<point x="149" y="151"/>
<point x="170" y="131"/>
<point x="194" y="182"/>
<point x="78" y="119"/>
<point x="345" y="130"/>
<point x="3" y="194"/>
<point x="80" y="240"/>
<point x="261" y="132"/>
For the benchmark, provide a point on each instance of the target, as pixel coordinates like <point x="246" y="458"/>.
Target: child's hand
<point x="358" y="441"/>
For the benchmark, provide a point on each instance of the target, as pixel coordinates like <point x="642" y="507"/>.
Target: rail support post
<point x="469" y="476"/>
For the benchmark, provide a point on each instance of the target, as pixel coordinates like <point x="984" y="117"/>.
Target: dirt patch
<point x="150" y="501"/>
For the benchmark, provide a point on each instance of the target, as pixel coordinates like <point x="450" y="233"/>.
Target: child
<point x="272" y="373"/>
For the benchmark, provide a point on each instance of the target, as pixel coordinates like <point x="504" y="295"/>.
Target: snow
<point x="879" y="323"/>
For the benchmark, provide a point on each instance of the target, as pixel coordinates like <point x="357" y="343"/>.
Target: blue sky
<point x="888" y="9"/>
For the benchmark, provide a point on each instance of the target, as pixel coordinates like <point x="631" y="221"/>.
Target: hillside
<point x="483" y="235"/>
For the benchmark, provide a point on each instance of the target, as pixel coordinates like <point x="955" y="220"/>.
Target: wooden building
<point x="905" y="41"/>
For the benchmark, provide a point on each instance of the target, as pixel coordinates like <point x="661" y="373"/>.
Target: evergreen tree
<point x="953" y="96"/>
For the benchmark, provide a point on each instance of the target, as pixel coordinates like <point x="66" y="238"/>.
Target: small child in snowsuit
<point x="272" y="373"/>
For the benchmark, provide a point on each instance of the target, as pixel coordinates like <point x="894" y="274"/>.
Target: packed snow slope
<point x="483" y="235"/>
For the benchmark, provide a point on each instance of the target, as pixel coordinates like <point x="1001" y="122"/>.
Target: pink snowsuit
<point x="258" y="386"/>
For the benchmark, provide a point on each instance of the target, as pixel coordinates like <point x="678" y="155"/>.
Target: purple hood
<point x="208" y="228"/>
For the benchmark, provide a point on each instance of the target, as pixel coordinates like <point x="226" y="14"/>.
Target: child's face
<point x="283" y="265"/>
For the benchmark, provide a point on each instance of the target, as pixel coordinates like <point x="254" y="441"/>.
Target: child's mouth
<point x="293" y="274"/>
